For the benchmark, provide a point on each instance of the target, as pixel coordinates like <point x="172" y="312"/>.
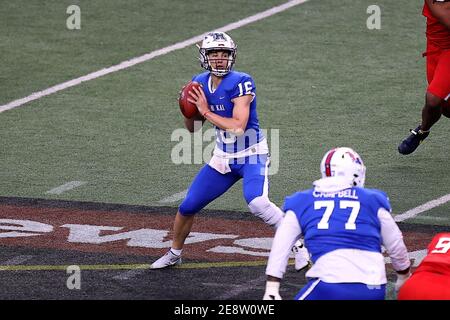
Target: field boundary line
<point x="422" y="208"/>
<point x="148" y="56"/>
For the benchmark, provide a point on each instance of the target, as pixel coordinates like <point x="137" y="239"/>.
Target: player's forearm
<point x="236" y="126"/>
<point x="287" y="233"/>
<point x="393" y="241"/>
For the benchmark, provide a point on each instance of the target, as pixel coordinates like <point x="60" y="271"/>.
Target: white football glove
<point x="401" y="279"/>
<point x="272" y="291"/>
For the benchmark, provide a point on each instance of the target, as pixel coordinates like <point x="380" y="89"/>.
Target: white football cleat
<point x="168" y="260"/>
<point x="301" y="256"/>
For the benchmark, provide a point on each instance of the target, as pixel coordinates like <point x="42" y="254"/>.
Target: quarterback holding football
<point x="227" y="99"/>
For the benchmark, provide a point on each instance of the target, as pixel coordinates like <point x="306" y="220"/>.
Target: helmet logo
<point x="354" y="158"/>
<point x="217" y="36"/>
<point x="351" y="155"/>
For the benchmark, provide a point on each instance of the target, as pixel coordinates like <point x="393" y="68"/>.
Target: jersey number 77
<point x="329" y="209"/>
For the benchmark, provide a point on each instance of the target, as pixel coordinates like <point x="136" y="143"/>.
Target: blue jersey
<point x="234" y="84"/>
<point x="347" y="219"/>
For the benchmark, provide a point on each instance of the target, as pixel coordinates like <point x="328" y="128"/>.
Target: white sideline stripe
<point x="175" y="197"/>
<point x="422" y="208"/>
<point x="17" y="260"/>
<point x="148" y="56"/>
<point x="66" y="187"/>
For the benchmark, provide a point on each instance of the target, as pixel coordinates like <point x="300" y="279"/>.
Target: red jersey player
<point x="431" y="280"/>
<point x="437" y="96"/>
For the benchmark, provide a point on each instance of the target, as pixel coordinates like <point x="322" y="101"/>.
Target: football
<point x="187" y="108"/>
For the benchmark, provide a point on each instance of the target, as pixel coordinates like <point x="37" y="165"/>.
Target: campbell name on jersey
<point x="233" y="85"/>
<point x="347" y="219"/>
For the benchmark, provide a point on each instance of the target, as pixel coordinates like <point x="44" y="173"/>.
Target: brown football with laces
<point x="187" y="108"/>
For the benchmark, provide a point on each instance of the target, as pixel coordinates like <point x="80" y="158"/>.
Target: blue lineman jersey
<point x="346" y="219"/>
<point x="233" y="85"/>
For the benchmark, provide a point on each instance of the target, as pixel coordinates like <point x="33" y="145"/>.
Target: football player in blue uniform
<point x="344" y="227"/>
<point x="227" y="99"/>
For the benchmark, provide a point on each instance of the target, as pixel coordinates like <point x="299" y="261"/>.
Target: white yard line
<point x="422" y="208"/>
<point x="148" y="56"/>
<point x="175" y="197"/>
<point x="66" y="187"/>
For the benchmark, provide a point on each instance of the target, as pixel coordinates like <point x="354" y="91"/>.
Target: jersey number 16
<point x="247" y="86"/>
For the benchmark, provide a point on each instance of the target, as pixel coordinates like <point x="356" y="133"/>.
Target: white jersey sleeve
<point x="392" y="240"/>
<point x="286" y="235"/>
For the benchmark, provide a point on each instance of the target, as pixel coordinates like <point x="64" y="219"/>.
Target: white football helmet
<point x="344" y="163"/>
<point x="215" y="41"/>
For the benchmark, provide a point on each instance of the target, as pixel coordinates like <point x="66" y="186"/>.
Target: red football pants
<point x="438" y="71"/>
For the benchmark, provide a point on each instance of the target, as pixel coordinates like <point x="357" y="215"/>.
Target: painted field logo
<point x="147" y="234"/>
<point x="143" y="238"/>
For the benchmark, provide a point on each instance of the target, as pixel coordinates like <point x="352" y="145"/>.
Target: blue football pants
<point x="210" y="184"/>
<point x="318" y="290"/>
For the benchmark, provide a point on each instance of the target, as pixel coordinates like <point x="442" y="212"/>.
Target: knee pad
<point x="189" y="207"/>
<point x="263" y="208"/>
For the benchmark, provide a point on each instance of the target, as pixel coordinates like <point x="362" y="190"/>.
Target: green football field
<point x="323" y="80"/>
